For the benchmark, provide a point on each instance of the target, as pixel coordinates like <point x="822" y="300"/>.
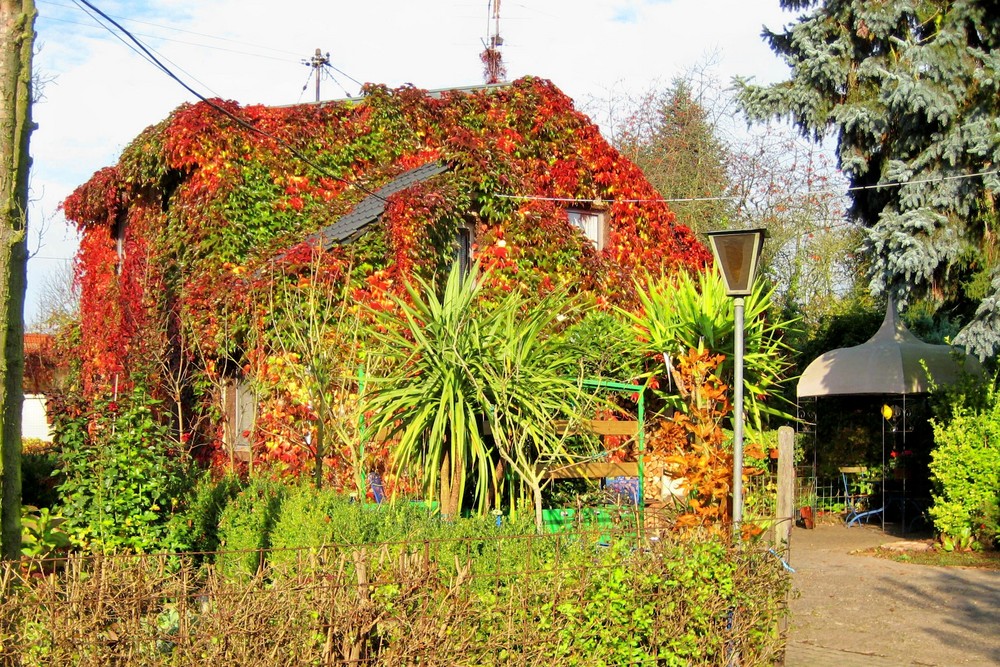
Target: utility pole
<point x="317" y="62"/>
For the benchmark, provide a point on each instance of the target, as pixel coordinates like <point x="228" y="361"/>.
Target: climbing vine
<point x="181" y="239"/>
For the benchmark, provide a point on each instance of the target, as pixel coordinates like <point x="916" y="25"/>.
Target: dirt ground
<point x="853" y="610"/>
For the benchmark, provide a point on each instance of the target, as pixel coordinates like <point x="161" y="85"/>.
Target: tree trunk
<point x="536" y="497"/>
<point x="457" y="487"/>
<point x="17" y="38"/>
<point x="498" y="472"/>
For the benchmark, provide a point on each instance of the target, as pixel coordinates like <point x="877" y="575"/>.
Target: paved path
<point x="854" y="610"/>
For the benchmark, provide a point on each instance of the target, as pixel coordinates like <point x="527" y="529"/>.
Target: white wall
<point x="33" y="421"/>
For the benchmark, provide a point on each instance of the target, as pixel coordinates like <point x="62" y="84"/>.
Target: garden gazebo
<point x="893" y="363"/>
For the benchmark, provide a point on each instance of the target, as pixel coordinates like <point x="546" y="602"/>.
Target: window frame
<point x="463" y="245"/>
<point x="576" y="215"/>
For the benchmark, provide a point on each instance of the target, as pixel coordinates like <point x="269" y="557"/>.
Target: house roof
<point x="371" y="207"/>
<point x="433" y="93"/>
<point x="37" y="343"/>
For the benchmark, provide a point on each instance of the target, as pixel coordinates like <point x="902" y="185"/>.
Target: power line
<point x="198" y="44"/>
<point x="100" y="23"/>
<point x="236" y="119"/>
<point x="118" y="37"/>
<point x="335" y="80"/>
<point x="344" y="74"/>
<point x="305" y="87"/>
<point x="181" y="41"/>
<point x="666" y="200"/>
<point x="175" y="29"/>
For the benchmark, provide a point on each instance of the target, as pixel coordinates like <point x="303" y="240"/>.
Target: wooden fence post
<point x="786" y="489"/>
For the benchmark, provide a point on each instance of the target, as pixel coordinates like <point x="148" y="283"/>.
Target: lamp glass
<point x="737" y="254"/>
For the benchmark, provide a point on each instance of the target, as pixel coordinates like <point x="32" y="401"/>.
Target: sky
<point x="97" y="93"/>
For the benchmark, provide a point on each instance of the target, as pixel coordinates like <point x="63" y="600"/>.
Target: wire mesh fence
<point x="595" y="598"/>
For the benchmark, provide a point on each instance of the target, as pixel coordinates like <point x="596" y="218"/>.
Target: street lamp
<point x="737" y="253"/>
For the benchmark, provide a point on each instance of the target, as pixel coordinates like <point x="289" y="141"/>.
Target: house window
<point x="590" y="223"/>
<point x="463" y="249"/>
<point x="118" y="234"/>
<point x="239" y="409"/>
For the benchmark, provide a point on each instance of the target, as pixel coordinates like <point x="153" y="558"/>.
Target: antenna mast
<point x="493" y="67"/>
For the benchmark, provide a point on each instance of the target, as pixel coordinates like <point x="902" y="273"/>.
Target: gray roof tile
<point x="371" y="207"/>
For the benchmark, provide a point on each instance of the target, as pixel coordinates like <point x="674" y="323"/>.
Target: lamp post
<point x="736" y="254"/>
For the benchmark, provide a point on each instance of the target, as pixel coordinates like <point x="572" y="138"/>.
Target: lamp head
<point x="737" y="254"/>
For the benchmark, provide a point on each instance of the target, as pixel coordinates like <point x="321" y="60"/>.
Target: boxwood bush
<point x="569" y="599"/>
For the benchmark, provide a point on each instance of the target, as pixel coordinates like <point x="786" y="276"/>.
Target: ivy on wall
<point x="183" y="238"/>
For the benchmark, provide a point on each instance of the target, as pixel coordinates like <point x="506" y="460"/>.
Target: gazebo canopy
<point x="891" y="362"/>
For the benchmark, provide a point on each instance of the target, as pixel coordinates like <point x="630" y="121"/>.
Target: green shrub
<point x="195" y="527"/>
<point x="246" y="525"/>
<point x="42" y="534"/>
<point x="561" y="600"/>
<point x="309" y="519"/>
<point x="605" y="346"/>
<point x="39" y="463"/>
<point x="965" y="466"/>
<point x="122" y="475"/>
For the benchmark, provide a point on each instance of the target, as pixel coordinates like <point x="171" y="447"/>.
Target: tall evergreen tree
<point x="912" y="91"/>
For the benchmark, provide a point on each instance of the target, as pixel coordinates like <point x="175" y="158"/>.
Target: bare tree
<point x="58" y="300"/>
<point x="313" y="325"/>
<point x="693" y="145"/>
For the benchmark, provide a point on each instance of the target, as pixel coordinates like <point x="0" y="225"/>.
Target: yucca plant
<point x="456" y="364"/>
<point x="530" y="382"/>
<point x="682" y="312"/>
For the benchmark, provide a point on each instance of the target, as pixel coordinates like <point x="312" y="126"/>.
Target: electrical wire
<point x="304" y="87"/>
<point x="181" y="41"/>
<point x="197" y="44"/>
<point x="202" y="83"/>
<point x="336" y="81"/>
<point x="225" y="112"/>
<point x="117" y="36"/>
<point x="344" y="74"/>
<point x="666" y="200"/>
<point x="175" y="29"/>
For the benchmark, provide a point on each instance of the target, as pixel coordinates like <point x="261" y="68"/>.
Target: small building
<point x="205" y="207"/>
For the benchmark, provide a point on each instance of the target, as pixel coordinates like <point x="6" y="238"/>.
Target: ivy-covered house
<point x="183" y="239"/>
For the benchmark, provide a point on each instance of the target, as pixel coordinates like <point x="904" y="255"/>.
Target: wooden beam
<point x="786" y="489"/>
<point x="600" y="426"/>
<point x="589" y="470"/>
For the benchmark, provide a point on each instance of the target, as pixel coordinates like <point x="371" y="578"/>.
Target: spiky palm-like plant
<point x="683" y="312"/>
<point x="455" y="364"/>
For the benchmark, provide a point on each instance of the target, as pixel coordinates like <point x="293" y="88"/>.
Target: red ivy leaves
<point x="210" y="205"/>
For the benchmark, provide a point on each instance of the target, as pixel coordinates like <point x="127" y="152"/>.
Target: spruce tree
<point x="911" y="90"/>
<point x="671" y="137"/>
